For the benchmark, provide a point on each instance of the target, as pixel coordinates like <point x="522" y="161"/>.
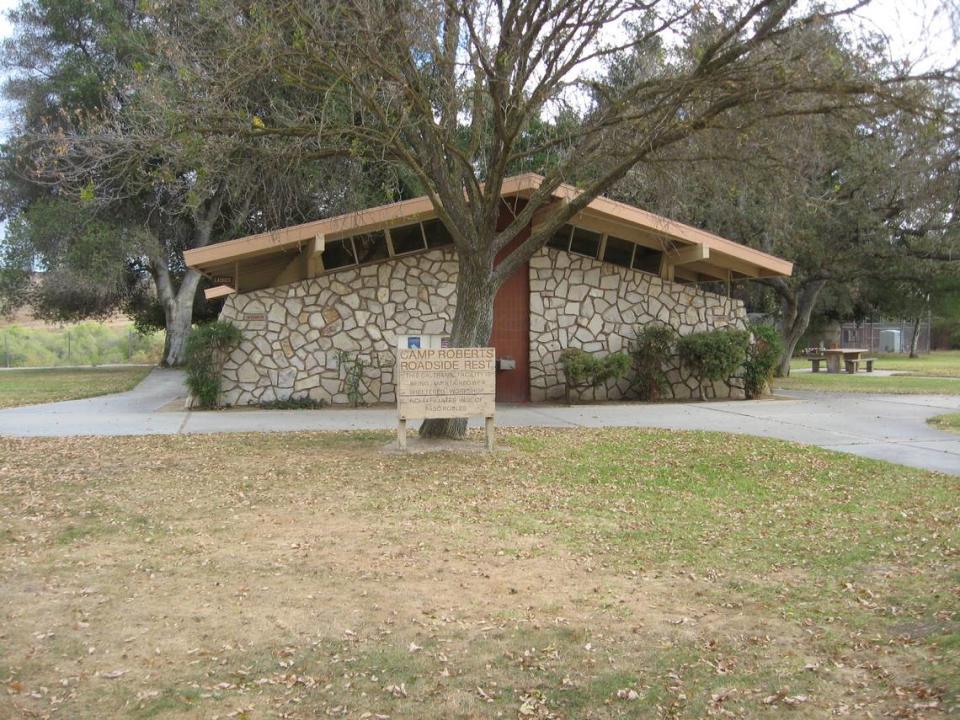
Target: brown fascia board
<point x="419" y="208"/>
<point x="422" y="209"/>
<point x="289" y="237"/>
<point x="685" y="233"/>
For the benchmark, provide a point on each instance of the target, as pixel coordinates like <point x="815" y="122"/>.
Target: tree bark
<point x="177" y="313"/>
<point x="798" y="305"/>
<point x="472" y="326"/>
<point x="178" y="303"/>
<point x="178" y="321"/>
<point x="915" y="338"/>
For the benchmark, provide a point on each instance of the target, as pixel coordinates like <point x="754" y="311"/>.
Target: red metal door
<point x="511" y="328"/>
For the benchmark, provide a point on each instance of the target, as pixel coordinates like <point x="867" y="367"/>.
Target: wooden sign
<point x="445" y="383"/>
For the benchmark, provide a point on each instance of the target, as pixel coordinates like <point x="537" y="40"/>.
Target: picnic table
<point x="851" y="357"/>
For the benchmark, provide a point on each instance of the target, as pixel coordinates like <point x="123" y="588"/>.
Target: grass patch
<point x="939" y="363"/>
<point x="29" y="387"/>
<point x="949" y="422"/>
<point x="869" y="383"/>
<point x="936" y="373"/>
<point x="585" y="574"/>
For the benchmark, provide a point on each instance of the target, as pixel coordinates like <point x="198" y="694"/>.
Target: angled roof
<point x="717" y="257"/>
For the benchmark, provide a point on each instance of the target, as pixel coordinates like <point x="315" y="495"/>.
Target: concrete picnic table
<point x="835" y="355"/>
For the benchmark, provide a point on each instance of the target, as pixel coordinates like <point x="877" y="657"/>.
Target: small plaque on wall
<point x="254" y="317"/>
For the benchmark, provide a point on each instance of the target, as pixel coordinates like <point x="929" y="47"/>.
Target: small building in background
<point x="345" y="291"/>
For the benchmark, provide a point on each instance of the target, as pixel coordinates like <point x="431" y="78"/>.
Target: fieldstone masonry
<point x="294" y="334"/>
<point x="576" y="301"/>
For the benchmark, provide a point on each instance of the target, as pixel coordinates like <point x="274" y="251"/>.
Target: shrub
<point x="945" y="334"/>
<point x="762" y="359"/>
<point x="714" y="355"/>
<point x="304" y="402"/>
<point x="582" y="369"/>
<point x="352" y="366"/>
<point x="208" y="347"/>
<point x="651" y="350"/>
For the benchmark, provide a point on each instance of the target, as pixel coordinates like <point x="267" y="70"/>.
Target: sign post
<point x="445" y="383"/>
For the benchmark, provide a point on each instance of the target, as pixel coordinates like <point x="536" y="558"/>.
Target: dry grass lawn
<point x="587" y="574"/>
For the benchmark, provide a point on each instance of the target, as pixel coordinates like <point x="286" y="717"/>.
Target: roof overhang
<point x="719" y="258"/>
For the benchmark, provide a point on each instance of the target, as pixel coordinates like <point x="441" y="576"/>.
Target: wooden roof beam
<point x="547" y="210"/>
<point x="315" y="248"/>
<point x="218" y="291"/>
<point x="687" y="255"/>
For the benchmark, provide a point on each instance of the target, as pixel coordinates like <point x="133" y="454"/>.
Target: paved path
<point x="888" y="427"/>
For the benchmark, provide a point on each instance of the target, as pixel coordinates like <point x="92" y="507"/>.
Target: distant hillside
<point x="39" y="344"/>
<point x="24" y="318"/>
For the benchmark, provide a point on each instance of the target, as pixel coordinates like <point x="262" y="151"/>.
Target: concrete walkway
<point x="887" y="427"/>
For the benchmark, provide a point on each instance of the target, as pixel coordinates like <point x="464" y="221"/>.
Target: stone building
<point x="323" y="306"/>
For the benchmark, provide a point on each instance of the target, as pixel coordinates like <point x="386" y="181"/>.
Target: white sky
<point x="918" y="30"/>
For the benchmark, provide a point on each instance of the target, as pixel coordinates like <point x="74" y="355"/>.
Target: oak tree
<point x="451" y="89"/>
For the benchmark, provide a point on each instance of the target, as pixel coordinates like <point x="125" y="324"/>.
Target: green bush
<point x="582" y="369"/>
<point x="352" y="366"/>
<point x="208" y="347"/>
<point x="762" y="359"/>
<point x="945" y="334"/>
<point x="651" y="350"/>
<point x="714" y="355"/>
<point x="304" y="402"/>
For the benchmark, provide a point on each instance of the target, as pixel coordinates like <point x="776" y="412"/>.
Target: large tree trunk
<point x="915" y="338"/>
<point x="177" y="312"/>
<point x="472" y="326"/>
<point x="179" y="319"/>
<point x="178" y="303"/>
<point x="797" y="307"/>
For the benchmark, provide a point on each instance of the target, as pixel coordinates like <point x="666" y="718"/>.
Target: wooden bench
<point x="854" y="365"/>
<point x="815" y="361"/>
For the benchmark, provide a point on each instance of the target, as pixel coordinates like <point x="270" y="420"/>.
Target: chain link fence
<point x="884" y="335"/>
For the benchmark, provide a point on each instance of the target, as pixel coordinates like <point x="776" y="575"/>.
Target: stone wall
<point x="579" y="302"/>
<point x="292" y="334"/>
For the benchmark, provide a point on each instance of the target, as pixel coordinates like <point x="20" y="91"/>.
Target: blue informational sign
<point x="413" y="343"/>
